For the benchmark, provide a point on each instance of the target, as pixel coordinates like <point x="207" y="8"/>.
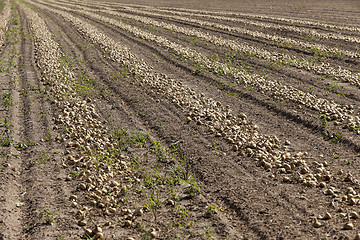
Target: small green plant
<point x="15" y="21"/>
<point x="327" y="135"/>
<point x="136" y="162"/>
<point x="24" y="145"/>
<point x="221" y="86"/>
<point x="154" y="202"/>
<point x="337" y="137"/>
<point x="336" y="156"/>
<point x="208" y="235"/>
<point x="215" y="147"/>
<point x="11" y="65"/>
<point x="148" y="27"/>
<point x="47" y="215"/>
<point x="75" y="174"/>
<point x="140" y="138"/>
<point x="191" y="187"/>
<point x="333" y="137"/>
<point x="43" y="158"/>
<point x="211" y="210"/>
<point x="164" y="154"/>
<point x="347" y="162"/>
<point x="7" y="100"/>
<point x="199" y="68"/>
<point x="79" y="215"/>
<point x="121" y="137"/>
<point x="85" y="85"/>
<point x="324" y="122"/>
<point x="87" y="236"/>
<point x="311" y="90"/>
<point x="332" y="85"/>
<point x="147" y="236"/>
<point x="181" y="212"/>
<point x="124" y="191"/>
<point x="29" y="6"/>
<point x="182" y="171"/>
<point x="185" y="169"/>
<point x="7" y="140"/>
<point x="194" y="42"/>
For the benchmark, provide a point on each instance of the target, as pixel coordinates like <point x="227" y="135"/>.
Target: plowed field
<point x="165" y="120"/>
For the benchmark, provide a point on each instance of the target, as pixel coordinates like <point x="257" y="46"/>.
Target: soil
<point x="233" y="197"/>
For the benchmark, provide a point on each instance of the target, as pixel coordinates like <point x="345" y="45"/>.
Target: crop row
<point x="322" y="68"/>
<point x="88" y="146"/>
<point x="290" y="21"/>
<point x="333" y="111"/>
<point x="255" y="17"/>
<point x="4" y="19"/>
<point x="237" y="16"/>
<point x="239" y="131"/>
<point x="299" y="30"/>
<point x="256" y="34"/>
<point x="266" y="150"/>
<point x="314" y="47"/>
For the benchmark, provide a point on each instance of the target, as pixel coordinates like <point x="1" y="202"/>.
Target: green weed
<point x="154" y="203"/>
<point x="47" y="215"/>
<point x="7" y="101"/>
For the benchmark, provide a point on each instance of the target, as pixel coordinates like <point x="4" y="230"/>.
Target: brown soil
<point x="247" y="201"/>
